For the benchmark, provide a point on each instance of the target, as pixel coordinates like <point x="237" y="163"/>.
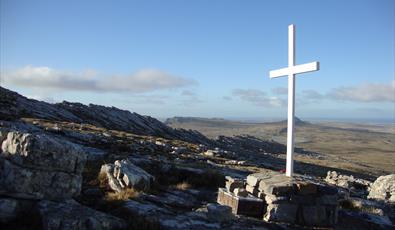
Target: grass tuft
<point x="124" y="195"/>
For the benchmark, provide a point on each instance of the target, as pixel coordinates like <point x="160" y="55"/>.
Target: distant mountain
<point x="14" y="106"/>
<point x="298" y="121"/>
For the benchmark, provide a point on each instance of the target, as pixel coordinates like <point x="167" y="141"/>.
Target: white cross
<point x="291" y="71"/>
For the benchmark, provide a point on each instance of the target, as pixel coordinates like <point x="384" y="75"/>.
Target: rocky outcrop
<point x="39" y="166"/>
<point x="357" y="186"/>
<point x="71" y="215"/>
<point x="123" y="174"/>
<point x="14" y="106"/>
<point x="383" y="189"/>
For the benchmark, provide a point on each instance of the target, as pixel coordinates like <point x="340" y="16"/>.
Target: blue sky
<point x="202" y="58"/>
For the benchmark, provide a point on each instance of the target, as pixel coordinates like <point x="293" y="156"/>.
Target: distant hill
<point x="220" y="122"/>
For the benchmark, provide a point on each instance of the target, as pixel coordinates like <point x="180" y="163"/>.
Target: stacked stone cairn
<point x="297" y="200"/>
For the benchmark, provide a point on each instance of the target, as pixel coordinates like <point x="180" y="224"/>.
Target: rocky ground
<point x="72" y="166"/>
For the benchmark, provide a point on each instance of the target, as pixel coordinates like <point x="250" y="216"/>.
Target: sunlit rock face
<point x="383" y="189"/>
<point x="40" y="166"/>
<point x="123" y="174"/>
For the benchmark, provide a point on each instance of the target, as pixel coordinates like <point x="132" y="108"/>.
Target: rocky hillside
<point x="14" y="106"/>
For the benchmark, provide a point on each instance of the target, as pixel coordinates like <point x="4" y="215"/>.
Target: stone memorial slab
<point x="248" y="206"/>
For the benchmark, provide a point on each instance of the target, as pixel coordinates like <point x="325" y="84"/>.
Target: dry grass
<point x="125" y="194"/>
<point x="103" y="180"/>
<point x="183" y="186"/>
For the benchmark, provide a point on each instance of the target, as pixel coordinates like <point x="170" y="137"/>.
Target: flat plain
<point x="361" y="148"/>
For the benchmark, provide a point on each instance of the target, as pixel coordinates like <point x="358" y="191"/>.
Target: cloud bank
<point x="146" y="80"/>
<point x="365" y="93"/>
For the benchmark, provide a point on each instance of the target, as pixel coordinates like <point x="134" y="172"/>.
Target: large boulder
<point x="43" y="151"/>
<point x="39" y="166"/>
<point x="383" y="189"/>
<point x="71" y="215"/>
<point x="124" y="174"/>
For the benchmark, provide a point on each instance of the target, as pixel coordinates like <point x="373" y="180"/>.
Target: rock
<point x="329" y="199"/>
<point x="94" y="154"/>
<point x="232" y="185"/>
<point x="235" y="162"/>
<point x="38" y="166"/>
<point x="12" y="209"/>
<point x="23" y="182"/>
<point x="281" y="212"/>
<point x="240" y="192"/>
<point x="249" y="206"/>
<point x="254" y="179"/>
<point x="96" y="192"/>
<point x="209" y="153"/>
<point x="43" y="152"/>
<point x="124" y="174"/>
<point x="359" y="220"/>
<point x="166" y="219"/>
<point x="173" y="198"/>
<point x="272" y="199"/>
<point x="8" y="209"/>
<point x="252" y="190"/>
<point x="189" y="220"/>
<point x="356" y="186"/>
<point x="306" y="188"/>
<point x="219" y="213"/>
<point x="71" y="215"/>
<point x="178" y="150"/>
<point x="383" y="189"/>
<point x="313" y="214"/>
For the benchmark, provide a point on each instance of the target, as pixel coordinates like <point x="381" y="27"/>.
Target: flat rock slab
<point x="71" y="215"/>
<point x="254" y="179"/>
<point x="248" y="206"/>
<point x="167" y="219"/>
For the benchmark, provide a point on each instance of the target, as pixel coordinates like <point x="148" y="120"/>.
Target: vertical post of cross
<point x="291" y="101"/>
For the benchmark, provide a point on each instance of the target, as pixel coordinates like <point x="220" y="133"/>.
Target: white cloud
<point x="371" y="92"/>
<point x="145" y="80"/>
<point x="258" y="97"/>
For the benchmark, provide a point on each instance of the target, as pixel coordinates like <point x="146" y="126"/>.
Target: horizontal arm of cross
<point x="308" y="67"/>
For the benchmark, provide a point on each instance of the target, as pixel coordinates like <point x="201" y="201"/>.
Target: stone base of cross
<point x="291" y="71"/>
